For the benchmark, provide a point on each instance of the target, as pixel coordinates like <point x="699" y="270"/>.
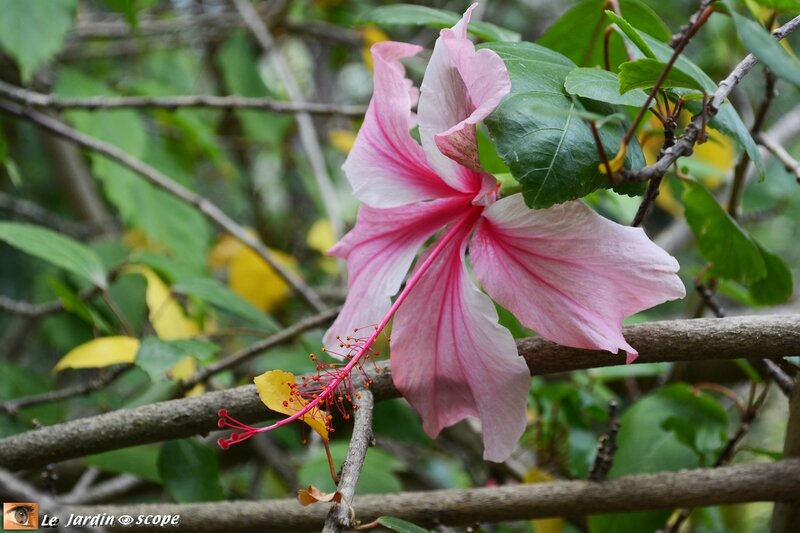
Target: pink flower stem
<point x="467" y="219"/>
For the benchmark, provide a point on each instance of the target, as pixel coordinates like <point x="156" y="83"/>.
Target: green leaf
<point x="643" y="74"/>
<point x="409" y="14"/>
<point x="727" y="119"/>
<point x="161" y="217"/>
<point x="378" y="476"/>
<point x="766" y="48"/>
<point x="55" y="248"/>
<point x="631" y="32"/>
<point x="139" y="461"/>
<point x="540" y="133"/>
<point x="777" y="285"/>
<point x="237" y="62"/>
<point x="156" y="356"/>
<point x="603" y="86"/>
<point x="215" y="293"/>
<point x="398" y="524"/>
<point x="578" y="34"/>
<point x="723" y="243"/>
<point x="189" y="471"/>
<point x="84" y="311"/>
<point x="645" y="446"/>
<point x="33" y="31"/>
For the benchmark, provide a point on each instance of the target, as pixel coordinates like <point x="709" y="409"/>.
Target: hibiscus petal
<point x="451" y="360"/>
<point x="570" y="274"/>
<point x="379" y="251"/>
<point x="386" y="166"/>
<point x="461" y="87"/>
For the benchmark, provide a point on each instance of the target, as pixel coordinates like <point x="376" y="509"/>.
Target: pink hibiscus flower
<point x="565" y="272"/>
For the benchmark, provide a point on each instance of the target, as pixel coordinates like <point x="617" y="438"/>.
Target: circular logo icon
<point x="125" y="520"/>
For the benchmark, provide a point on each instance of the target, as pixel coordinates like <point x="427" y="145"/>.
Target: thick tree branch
<point x="341" y="514"/>
<point x="675" y="340"/>
<point x="786" y="515"/>
<point x="202" y="204"/>
<point x="779" y="481"/>
<point x="94" y="103"/>
<point x="684" y="146"/>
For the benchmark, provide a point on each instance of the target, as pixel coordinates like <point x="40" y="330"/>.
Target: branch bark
<point x="675" y="340"/>
<point x="341" y="514"/>
<point x="786" y="515"/>
<point x="779" y="481"/>
<point x="94" y="103"/>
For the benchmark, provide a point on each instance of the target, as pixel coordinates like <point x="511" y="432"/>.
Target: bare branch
<point x="32" y="212"/>
<point x="94" y="103"/>
<point x="792" y="165"/>
<point x="685" y="144"/>
<point x="675" y="340"/>
<point x="308" y="132"/>
<point x="341" y="514"/>
<point x="703" y="487"/>
<point x="202" y="204"/>
<point x="786" y="515"/>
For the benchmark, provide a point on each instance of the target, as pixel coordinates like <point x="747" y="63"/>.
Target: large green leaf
<point x="139" y="461"/>
<point x="400" y="525"/>
<point x="578" y="34"/>
<point x="55" y="248"/>
<point x="156" y="356"/>
<point x="648" y="442"/>
<point x="727" y="119"/>
<point x="189" y="471"/>
<point x="766" y="49"/>
<point x="644" y="73"/>
<point x="603" y="86"/>
<point x="540" y="133"/>
<point x="723" y="243"/>
<point x="777" y="285"/>
<point x="161" y="217"/>
<point x="215" y="293"/>
<point x="409" y="14"/>
<point x="33" y="31"/>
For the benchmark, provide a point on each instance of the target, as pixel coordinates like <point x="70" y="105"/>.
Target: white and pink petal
<point x="379" y="252"/>
<point x="570" y="274"/>
<point x="451" y="359"/>
<point x="386" y="166"/>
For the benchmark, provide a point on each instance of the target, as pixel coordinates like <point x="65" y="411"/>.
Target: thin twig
<point x="105" y="378"/>
<point x="308" y="132"/>
<point x="94" y="103"/>
<point x="32" y="212"/>
<point x="786" y="515"/>
<point x="341" y="514"/>
<point x="676" y="340"/>
<point x="109" y="489"/>
<point x="685" y="144"/>
<point x="790" y="163"/>
<point x="256" y="348"/>
<point x="204" y="205"/>
<point x="606" y="447"/>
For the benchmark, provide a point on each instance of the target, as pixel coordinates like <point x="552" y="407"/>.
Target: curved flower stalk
<point x="565" y="272"/>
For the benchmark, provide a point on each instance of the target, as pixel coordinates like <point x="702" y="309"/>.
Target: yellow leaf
<point x="342" y="140"/>
<point x="546" y="525"/>
<point x="320" y="236"/>
<point x="274" y="390"/>
<point x="135" y="239"/>
<point x="185" y="369"/>
<point x="250" y="276"/>
<point x="615" y="163"/>
<point x="99" y="353"/>
<point x="166" y="315"/>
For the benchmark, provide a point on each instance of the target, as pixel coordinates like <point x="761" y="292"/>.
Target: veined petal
<point x="451" y="359"/>
<point x="461" y="87"/>
<point x="570" y="274"/>
<point x="379" y="251"/>
<point x="386" y="166"/>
